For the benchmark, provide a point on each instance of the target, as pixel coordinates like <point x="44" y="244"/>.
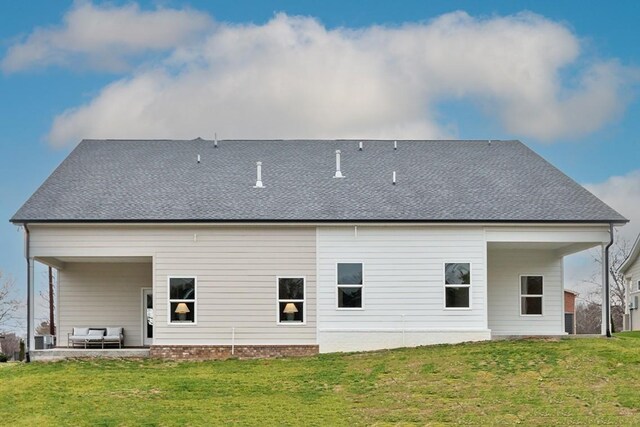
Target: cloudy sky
<point x="559" y="76"/>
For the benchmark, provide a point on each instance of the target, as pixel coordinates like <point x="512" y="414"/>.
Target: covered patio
<point x="98" y="293"/>
<point x="525" y="277"/>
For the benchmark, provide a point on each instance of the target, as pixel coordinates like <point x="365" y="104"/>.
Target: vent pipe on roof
<point x="215" y="140"/>
<point x="198" y="158"/>
<point x="360" y="146"/>
<point x="338" y="172"/>
<point x="394" y="177"/>
<point x="395" y="145"/>
<point x="259" y="176"/>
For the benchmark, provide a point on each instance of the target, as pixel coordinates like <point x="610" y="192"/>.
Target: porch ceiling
<point x="59" y="262"/>
<point x="561" y="248"/>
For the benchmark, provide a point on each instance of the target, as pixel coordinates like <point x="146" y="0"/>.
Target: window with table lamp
<point x="182" y="300"/>
<point x="291" y="300"/>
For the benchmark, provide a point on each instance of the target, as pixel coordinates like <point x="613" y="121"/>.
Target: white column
<point x="605" y="321"/>
<point x="31" y="323"/>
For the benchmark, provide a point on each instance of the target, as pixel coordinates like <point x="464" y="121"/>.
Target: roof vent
<point x="259" y="175"/>
<point x="360" y="146"/>
<point x="338" y="173"/>
<point x="395" y="145"/>
<point x="394" y="178"/>
<point x="215" y="140"/>
<point x="198" y="158"/>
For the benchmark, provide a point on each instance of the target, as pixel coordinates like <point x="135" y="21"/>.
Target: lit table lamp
<point x="182" y="310"/>
<point x="290" y="310"/>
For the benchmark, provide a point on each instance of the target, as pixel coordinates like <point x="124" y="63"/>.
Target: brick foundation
<point x="221" y="352"/>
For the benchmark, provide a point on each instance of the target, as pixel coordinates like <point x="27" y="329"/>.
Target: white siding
<point x="505" y="268"/>
<point x="236" y="269"/>
<point x="633" y="276"/>
<point x="403" y="286"/>
<point x="100" y="295"/>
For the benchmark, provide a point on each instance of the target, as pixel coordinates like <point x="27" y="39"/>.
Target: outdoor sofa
<point x="94" y="336"/>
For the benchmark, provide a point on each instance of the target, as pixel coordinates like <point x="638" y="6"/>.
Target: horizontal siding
<point x="633" y="275"/>
<point x="403" y="278"/>
<point x="236" y="269"/>
<point x="100" y="295"/>
<point x="504" y="270"/>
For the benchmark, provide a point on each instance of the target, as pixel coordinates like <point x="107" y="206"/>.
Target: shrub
<point x="21" y="357"/>
<point x="3" y="358"/>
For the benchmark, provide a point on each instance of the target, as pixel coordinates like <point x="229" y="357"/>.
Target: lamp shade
<point x="290" y="308"/>
<point x="182" y="308"/>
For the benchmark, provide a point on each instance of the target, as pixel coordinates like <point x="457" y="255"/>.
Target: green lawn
<point x="573" y="381"/>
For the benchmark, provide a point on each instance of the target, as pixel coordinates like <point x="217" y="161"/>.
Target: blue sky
<point x="593" y="138"/>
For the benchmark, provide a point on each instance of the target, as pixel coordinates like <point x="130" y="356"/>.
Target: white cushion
<point x="80" y="331"/>
<point x="78" y="337"/>
<point x="96" y="332"/>
<point x="112" y="338"/>
<point x="112" y="331"/>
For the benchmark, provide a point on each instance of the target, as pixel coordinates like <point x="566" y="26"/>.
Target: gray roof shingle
<point x="160" y="180"/>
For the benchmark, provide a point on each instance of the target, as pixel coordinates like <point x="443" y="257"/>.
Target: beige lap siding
<point x="236" y="267"/>
<point x="103" y="294"/>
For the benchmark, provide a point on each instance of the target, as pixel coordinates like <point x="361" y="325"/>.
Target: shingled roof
<point x="440" y="181"/>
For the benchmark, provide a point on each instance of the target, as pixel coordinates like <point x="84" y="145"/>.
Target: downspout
<point x="28" y="255"/>
<point x="606" y="281"/>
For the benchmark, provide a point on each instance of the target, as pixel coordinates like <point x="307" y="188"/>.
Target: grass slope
<point x="570" y="382"/>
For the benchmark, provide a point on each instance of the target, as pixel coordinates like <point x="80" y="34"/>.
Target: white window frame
<point x="303" y="301"/>
<point x="638" y="285"/>
<point x="338" y="286"/>
<point x="195" y="300"/>
<point x="444" y="282"/>
<point x="521" y="295"/>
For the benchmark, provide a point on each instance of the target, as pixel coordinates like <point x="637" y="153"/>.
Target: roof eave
<point x="302" y="221"/>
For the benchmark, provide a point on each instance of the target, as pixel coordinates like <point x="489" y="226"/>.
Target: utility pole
<point x="52" y="326"/>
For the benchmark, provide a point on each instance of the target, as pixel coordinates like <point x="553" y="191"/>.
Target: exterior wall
<point x="633" y="276"/>
<point x="504" y="270"/>
<point x="403" y="292"/>
<point x="236" y="269"/>
<point x="100" y="295"/>
<point x="569" y="302"/>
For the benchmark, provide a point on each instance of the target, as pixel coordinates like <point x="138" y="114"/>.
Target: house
<point x="570" y="311"/>
<point x="630" y="271"/>
<point x="205" y="248"/>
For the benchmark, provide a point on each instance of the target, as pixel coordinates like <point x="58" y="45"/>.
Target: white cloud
<point x="623" y="194"/>
<point x="105" y="37"/>
<point x="292" y="77"/>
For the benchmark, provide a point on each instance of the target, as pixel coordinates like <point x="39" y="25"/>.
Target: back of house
<point x="201" y="248"/>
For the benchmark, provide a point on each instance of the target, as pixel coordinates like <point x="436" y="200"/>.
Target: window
<point x="457" y="284"/>
<point x="638" y="285"/>
<point x="291" y="300"/>
<point x="350" y="285"/>
<point x="182" y="300"/>
<point x="531" y="295"/>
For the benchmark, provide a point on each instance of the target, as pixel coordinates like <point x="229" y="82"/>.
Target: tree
<point x="22" y="351"/>
<point x="47" y="302"/>
<point x="43" y="328"/>
<point x="588" y="317"/>
<point x="10" y="344"/>
<point x="618" y="253"/>
<point x="9" y="305"/>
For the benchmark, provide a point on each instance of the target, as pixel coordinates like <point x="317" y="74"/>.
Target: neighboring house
<point x="570" y="311"/>
<point x="336" y="246"/>
<point x="630" y="270"/>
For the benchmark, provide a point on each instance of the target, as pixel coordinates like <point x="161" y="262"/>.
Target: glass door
<point x="147" y="317"/>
